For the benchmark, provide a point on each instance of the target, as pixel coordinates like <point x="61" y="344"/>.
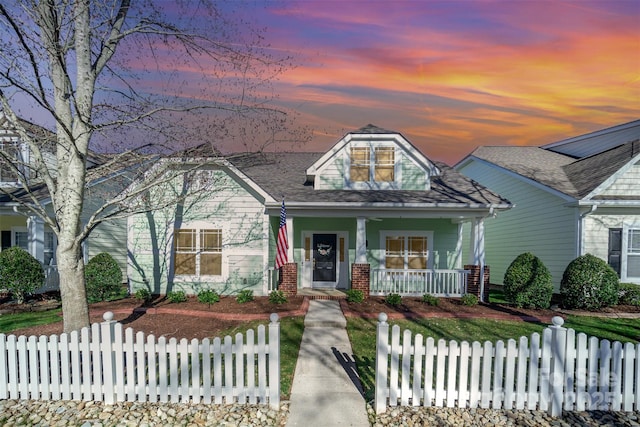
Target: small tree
<point x="103" y="278"/>
<point x="527" y="282"/>
<point x="20" y="273"/>
<point x="589" y="283"/>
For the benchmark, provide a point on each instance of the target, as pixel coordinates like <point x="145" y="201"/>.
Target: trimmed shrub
<point x="208" y="296"/>
<point x="393" y="299"/>
<point x="143" y="295"/>
<point x="430" y="300"/>
<point x="277" y="297"/>
<point x="469" y="300"/>
<point x="629" y="294"/>
<point x="355" y="296"/>
<point x="20" y="273"/>
<point x="244" y="296"/>
<point x="527" y="282"/>
<point x="176" y="296"/>
<point x="589" y="283"/>
<point x="103" y="279"/>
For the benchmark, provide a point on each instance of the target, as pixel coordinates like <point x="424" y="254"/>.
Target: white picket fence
<point x="560" y="371"/>
<point x="109" y="364"/>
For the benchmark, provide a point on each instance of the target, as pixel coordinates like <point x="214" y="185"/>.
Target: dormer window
<point x="376" y="165"/>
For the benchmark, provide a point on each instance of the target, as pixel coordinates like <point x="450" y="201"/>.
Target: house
<point x="372" y="213"/>
<point x="22" y="188"/>
<point x="571" y="197"/>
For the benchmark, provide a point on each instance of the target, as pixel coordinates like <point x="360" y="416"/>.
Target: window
<point x="633" y="254"/>
<point x="377" y="165"/>
<point x="360" y="164"/>
<point x="198" y="252"/>
<point x="11" y="150"/>
<point x="406" y="252"/>
<point x="49" y="248"/>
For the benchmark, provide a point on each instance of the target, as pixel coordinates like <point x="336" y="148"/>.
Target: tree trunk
<point x="72" y="288"/>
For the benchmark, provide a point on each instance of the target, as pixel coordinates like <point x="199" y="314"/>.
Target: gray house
<point x="371" y="213"/>
<point x="572" y="197"/>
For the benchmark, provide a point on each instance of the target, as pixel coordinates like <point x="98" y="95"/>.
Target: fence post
<point x="382" y="355"/>
<point x="557" y="372"/>
<point x="106" y="347"/>
<point x="274" y="362"/>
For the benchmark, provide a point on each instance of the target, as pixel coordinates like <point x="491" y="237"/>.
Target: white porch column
<point x="35" y="231"/>
<point x="290" y="238"/>
<point x="476" y="254"/>
<point x="361" y="240"/>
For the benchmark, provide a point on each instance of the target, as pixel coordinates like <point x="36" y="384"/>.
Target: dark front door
<point x="324" y="257"/>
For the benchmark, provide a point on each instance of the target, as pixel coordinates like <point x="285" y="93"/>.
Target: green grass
<point x="11" y="322"/>
<point x="291" y="329"/>
<point x="362" y="333"/>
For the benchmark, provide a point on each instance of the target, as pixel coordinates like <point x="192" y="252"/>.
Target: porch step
<point x="322" y="294"/>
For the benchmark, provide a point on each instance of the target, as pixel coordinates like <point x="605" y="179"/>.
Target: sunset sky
<point x="453" y="75"/>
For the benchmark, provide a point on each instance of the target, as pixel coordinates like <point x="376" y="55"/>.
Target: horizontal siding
<point x="413" y="177"/>
<point x="540" y="223"/>
<point x="110" y="237"/>
<point x="331" y="177"/>
<point x="596" y="240"/>
<point x="228" y="207"/>
<point x="628" y="184"/>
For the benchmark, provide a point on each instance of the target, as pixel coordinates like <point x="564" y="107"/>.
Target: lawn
<point x="11" y="322"/>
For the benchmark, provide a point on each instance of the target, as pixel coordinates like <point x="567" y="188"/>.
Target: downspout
<point x="581" y="229"/>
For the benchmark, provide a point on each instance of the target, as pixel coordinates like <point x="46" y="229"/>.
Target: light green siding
<point x="540" y="223"/>
<point x="227" y="206"/>
<point x="413" y="177"/>
<point x="332" y="175"/>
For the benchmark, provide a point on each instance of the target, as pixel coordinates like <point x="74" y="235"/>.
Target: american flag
<point x="282" y="245"/>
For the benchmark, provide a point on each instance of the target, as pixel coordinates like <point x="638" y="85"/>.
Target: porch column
<point x="361" y="240"/>
<point x="35" y="228"/>
<point x="290" y="238"/>
<point x="476" y="257"/>
<point x="288" y="280"/>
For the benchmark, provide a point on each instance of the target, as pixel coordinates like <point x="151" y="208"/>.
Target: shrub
<point x="208" y="296"/>
<point x="629" y="294"/>
<point x="355" y="296"/>
<point x="469" y="300"/>
<point x="589" y="283"/>
<point x="143" y="295"/>
<point x="430" y="300"/>
<point x="103" y="279"/>
<point x="177" y="296"/>
<point x="527" y="282"/>
<point x="20" y="273"/>
<point x="244" y="296"/>
<point x="277" y="297"/>
<point x="393" y="299"/>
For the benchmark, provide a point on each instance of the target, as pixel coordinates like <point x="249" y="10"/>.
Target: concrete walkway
<point x="326" y="390"/>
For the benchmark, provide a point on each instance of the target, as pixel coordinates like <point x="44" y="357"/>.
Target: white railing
<point x="561" y="371"/>
<point x="105" y="363"/>
<point x="51" y="280"/>
<point x="272" y="280"/>
<point x="447" y="283"/>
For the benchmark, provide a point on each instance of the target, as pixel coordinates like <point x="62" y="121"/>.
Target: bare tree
<point x="82" y="65"/>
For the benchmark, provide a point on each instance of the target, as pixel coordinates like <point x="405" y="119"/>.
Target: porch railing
<point x="446" y="283"/>
<point x="51" y="280"/>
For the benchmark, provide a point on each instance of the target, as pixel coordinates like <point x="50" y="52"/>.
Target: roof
<point x="574" y="177"/>
<point x="283" y="175"/>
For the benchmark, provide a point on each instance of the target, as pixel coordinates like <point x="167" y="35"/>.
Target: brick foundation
<point x="473" y="282"/>
<point x="360" y="278"/>
<point x="288" y="279"/>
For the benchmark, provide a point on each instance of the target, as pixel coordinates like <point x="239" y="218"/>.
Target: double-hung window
<point x="377" y="164"/>
<point x="198" y="252"/>
<point x="633" y="254"/>
<point x="406" y="251"/>
<point x="624" y="252"/>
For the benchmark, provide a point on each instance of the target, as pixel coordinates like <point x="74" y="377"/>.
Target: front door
<point x="324" y="258"/>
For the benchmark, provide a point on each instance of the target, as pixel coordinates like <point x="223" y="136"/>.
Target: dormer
<point x="372" y="158"/>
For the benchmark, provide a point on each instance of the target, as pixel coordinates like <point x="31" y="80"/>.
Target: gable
<point x="372" y="158"/>
<point x="624" y="186"/>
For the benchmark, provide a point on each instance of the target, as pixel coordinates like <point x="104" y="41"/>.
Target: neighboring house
<point x="21" y="227"/>
<point x="372" y="213"/>
<point x="572" y="197"/>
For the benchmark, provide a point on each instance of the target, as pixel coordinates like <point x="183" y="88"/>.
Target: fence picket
<point x="183" y="392"/>
<point x="550" y="371"/>
<point x="251" y="366"/>
<point x="34" y="377"/>
<point x="196" y="366"/>
<point x="240" y="363"/>
<point x="262" y="364"/>
<point x="206" y="370"/>
<point x="12" y="368"/>
<point x="228" y="369"/>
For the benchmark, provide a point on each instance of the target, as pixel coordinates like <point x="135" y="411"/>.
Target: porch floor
<point x="330" y="294"/>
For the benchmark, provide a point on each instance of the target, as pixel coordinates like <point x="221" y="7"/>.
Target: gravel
<point x="96" y="414"/>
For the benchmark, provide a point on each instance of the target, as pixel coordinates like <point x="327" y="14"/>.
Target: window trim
<point x="198" y="236"/>
<point x="627" y="230"/>
<point x="372" y="165"/>
<point x="406" y="234"/>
